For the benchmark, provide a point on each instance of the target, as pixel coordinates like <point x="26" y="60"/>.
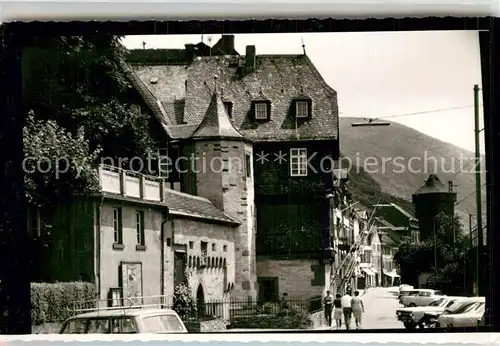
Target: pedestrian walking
<point x="328" y="307"/>
<point x="357" y="309"/>
<point x="337" y="313"/>
<point x="345" y="302"/>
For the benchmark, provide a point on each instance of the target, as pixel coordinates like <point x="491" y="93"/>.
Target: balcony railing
<point x="130" y="184"/>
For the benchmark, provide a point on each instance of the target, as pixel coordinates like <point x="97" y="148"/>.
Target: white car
<point x="125" y="321"/>
<point x="468" y="316"/>
<point x="414" y="316"/>
<point x="420" y="297"/>
<point x="405" y="287"/>
<point x="430" y="318"/>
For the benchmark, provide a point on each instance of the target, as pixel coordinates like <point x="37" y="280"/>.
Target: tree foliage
<point x="441" y="253"/>
<point x="77" y="85"/>
<point x="57" y="164"/>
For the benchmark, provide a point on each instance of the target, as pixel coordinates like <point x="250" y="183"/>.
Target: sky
<point x="388" y="75"/>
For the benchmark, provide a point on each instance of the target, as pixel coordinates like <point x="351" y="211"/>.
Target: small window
<point x="261" y="111"/>
<point x="139" y="221"/>
<point x="118" y="225"/>
<point x="224" y="248"/>
<point x="248" y="165"/>
<point x="229" y="108"/>
<point x="191" y="245"/>
<point x="298" y="162"/>
<point x="302" y="109"/>
<point x="204" y="253"/>
<point x="214" y="247"/>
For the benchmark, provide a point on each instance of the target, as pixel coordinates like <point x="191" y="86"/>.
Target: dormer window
<point x="261" y="110"/>
<point x="229" y="108"/>
<point x="303" y="108"/>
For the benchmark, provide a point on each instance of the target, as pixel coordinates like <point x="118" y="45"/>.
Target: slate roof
<point x="432" y="185"/>
<point x="195" y="206"/>
<point x="216" y="122"/>
<point x="280" y="78"/>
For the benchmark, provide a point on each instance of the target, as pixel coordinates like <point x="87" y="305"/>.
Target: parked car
<point x="414" y="316"/>
<point x="405" y="287"/>
<point x="430" y="318"/>
<point x="421" y="297"/>
<point x="124" y="321"/>
<point x="406" y="292"/>
<point x="470" y="316"/>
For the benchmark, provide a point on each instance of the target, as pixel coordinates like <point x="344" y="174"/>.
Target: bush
<point x="183" y="302"/>
<point x="285" y="321"/>
<point x="53" y="302"/>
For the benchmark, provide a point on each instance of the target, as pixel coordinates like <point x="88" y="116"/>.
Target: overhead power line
<point x="470" y="194"/>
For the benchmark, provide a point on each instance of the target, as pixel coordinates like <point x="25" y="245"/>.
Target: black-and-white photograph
<point x="198" y="183"/>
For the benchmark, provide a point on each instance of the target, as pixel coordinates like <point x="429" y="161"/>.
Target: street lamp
<point x="371" y="122"/>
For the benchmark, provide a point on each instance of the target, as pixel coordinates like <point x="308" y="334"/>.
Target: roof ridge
<point x="189" y="196"/>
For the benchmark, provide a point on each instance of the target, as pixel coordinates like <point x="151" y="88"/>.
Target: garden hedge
<point x="51" y="302"/>
<point x="272" y="322"/>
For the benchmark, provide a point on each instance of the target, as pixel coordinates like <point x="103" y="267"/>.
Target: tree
<point x="79" y="93"/>
<point x="441" y="254"/>
<point x="80" y="83"/>
<point x="57" y="164"/>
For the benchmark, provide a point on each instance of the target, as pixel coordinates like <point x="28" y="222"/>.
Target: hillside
<point x="386" y="153"/>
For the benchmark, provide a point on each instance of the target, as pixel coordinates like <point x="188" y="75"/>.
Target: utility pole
<point x="381" y="261"/>
<point x="434" y="224"/>
<point x="470" y="252"/>
<point x="479" y="214"/>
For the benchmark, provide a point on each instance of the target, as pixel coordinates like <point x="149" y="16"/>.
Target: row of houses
<point x="273" y="217"/>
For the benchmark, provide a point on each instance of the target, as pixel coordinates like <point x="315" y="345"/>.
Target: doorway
<point x="268" y="289"/>
<point x="200" y="301"/>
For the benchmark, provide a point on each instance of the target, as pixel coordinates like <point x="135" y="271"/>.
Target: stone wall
<point x="297" y="278"/>
<point x="318" y="319"/>
<point x="215" y="325"/>
<point x="214" y="278"/>
<point x="46" y="328"/>
<point x="228" y="183"/>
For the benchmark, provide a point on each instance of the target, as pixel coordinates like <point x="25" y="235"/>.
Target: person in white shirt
<point x="347" y="309"/>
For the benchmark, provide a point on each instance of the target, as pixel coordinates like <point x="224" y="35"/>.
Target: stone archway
<point x="200" y="301"/>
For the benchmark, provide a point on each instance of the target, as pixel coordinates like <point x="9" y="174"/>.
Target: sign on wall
<point x="131" y="282"/>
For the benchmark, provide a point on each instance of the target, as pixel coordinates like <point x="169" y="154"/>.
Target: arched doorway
<point x="200" y="301"/>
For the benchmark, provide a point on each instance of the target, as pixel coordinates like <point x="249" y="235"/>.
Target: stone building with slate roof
<point x="431" y="199"/>
<point x="270" y="125"/>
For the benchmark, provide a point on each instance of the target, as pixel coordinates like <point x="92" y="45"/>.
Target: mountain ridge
<point x="399" y="159"/>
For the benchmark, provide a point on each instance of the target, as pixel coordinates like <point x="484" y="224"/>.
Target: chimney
<point x="227" y="44"/>
<point x="190" y="52"/>
<point x="250" y="59"/>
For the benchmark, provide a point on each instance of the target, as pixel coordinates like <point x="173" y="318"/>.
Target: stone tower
<point x="431" y="199"/>
<point x="224" y="175"/>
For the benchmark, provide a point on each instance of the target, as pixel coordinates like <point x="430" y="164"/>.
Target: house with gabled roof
<point x="256" y="135"/>
<point x="136" y="240"/>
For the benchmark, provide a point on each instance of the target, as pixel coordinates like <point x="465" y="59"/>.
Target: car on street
<point x="404" y="287"/>
<point x="414" y="316"/>
<point x="124" y="321"/>
<point x="468" y="316"/>
<point x="420" y="297"/>
<point x="406" y="292"/>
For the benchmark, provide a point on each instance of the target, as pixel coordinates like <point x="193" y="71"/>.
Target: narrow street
<point x="380" y="309"/>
